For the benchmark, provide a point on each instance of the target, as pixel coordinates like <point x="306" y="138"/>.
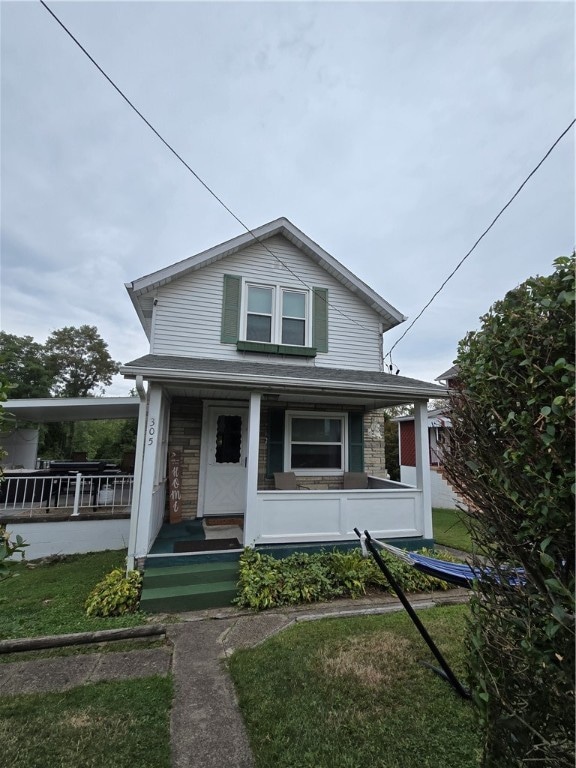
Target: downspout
<point x="139" y="458"/>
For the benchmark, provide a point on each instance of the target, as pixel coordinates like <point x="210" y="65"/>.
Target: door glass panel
<point x="228" y="439"/>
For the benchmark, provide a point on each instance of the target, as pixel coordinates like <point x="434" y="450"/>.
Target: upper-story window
<point x="277" y="315"/>
<point x="274" y="319"/>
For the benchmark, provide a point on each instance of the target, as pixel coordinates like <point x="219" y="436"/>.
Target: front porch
<point x="210" y="444"/>
<point x="389" y="509"/>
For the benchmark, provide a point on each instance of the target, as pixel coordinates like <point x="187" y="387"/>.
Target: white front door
<point x="225" y="476"/>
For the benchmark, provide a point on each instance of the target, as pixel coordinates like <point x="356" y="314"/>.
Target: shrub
<point x="267" y="582"/>
<point x="118" y="593"/>
<point x="8" y="549"/>
<point x="512" y="458"/>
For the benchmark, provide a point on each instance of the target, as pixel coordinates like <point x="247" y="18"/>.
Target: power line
<point x="262" y="243"/>
<point x="192" y="171"/>
<point x="494" y="220"/>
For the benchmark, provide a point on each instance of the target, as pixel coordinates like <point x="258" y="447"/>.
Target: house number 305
<point x="151" y="431"/>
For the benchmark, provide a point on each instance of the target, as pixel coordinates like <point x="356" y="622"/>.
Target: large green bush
<point x="512" y="459"/>
<point x="268" y="582"/>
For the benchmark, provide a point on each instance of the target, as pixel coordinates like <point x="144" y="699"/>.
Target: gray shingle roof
<point x="285" y="376"/>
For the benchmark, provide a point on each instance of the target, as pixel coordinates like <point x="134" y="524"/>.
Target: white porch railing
<point x="394" y="511"/>
<point x="65" y="492"/>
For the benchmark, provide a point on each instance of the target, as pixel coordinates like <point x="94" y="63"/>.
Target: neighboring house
<point x="266" y="356"/>
<point x="439" y="424"/>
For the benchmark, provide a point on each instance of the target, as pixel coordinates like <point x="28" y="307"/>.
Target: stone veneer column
<point x="374" y="452"/>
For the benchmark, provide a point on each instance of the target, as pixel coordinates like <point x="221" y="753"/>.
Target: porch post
<point x="423" y="463"/>
<point x="137" y="479"/>
<point x="152" y="442"/>
<point x="250" y="515"/>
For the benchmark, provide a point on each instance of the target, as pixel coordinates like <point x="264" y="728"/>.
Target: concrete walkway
<point x="207" y="730"/>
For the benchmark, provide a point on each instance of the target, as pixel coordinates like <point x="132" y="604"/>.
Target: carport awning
<point x="46" y="409"/>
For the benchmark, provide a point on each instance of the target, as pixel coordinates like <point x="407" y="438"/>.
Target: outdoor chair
<point x="355" y="480"/>
<point x="286" y="481"/>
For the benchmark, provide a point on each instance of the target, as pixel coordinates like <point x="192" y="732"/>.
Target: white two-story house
<point x="260" y="398"/>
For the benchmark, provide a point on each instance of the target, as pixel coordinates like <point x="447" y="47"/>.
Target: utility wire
<point x="494" y="220"/>
<point x="192" y="171"/>
<point x="262" y="243"/>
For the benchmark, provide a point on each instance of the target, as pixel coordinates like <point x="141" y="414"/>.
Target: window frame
<point x="330" y="472"/>
<point x="278" y="291"/>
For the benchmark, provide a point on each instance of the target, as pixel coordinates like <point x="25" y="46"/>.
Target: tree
<point x="80" y="360"/>
<point x="512" y="459"/>
<point x="23" y="363"/>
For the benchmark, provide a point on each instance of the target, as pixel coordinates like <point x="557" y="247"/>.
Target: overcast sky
<point x="391" y="133"/>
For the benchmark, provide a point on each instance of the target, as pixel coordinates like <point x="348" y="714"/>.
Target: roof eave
<point x="284" y="382"/>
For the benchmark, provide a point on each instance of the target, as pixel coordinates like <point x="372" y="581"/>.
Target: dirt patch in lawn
<point x="371" y="662"/>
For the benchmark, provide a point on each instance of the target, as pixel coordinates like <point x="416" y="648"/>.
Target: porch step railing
<point x="73" y="492"/>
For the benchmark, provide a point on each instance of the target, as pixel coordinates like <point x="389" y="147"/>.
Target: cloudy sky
<point x="391" y="133"/>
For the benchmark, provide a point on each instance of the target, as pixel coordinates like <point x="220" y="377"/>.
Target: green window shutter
<point x="275" y="457"/>
<point x="355" y="442"/>
<point x="231" y="298"/>
<point x="320" y="319"/>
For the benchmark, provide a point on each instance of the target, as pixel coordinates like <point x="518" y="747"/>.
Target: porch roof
<point x="268" y="377"/>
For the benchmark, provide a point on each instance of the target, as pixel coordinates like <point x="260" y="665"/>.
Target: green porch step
<point x="183" y="575"/>
<point x="189" y="587"/>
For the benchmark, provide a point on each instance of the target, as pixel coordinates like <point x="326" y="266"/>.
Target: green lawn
<point x="49" y="599"/>
<point x="450" y="530"/>
<point x="343" y="693"/>
<point x="104" y="725"/>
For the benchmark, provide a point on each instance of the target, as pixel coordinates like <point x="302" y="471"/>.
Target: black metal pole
<point x="448" y="674"/>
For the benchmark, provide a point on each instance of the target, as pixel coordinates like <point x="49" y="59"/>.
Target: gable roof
<point x="141" y="290"/>
<point x="451" y="373"/>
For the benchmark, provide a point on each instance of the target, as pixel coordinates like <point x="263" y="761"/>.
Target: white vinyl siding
<point x="188" y="312"/>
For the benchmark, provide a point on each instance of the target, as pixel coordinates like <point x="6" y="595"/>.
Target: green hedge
<point x="267" y="582"/>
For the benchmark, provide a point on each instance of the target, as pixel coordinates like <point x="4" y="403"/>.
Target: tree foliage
<point x="512" y="459"/>
<point x="74" y="362"/>
<point x="80" y="360"/>
<point x="24" y="365"/>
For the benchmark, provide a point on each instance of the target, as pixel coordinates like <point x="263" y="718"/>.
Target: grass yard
<point x="49" y="599"/>
<point x="343" y="693"/>
<point x="450" y="530"/>
<point x="104" y="725"/>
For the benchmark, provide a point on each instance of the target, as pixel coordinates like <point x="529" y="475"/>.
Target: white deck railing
<point x="74" y="492"/>
<point x="394" y="511"/>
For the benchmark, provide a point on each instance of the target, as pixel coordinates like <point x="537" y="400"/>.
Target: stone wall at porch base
<point x="184" y="435"/>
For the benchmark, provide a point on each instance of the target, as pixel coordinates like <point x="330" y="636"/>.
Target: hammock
<point x="460" y="574"/>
